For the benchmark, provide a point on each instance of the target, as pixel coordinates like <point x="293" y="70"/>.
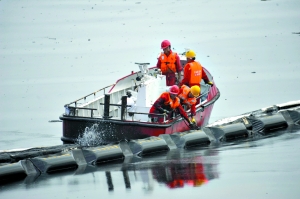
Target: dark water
<point x="52" y="53"/>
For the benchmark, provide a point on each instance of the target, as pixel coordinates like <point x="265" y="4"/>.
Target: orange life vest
<point x="196" y="73"/>
<point x="184" y="96"/>
<point x="172" y="103"/>
<point x="168" y="63"/>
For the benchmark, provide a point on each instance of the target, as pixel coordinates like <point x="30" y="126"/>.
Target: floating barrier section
<point x="149" y="145"/>
<point x="37" y="161"/>
<point x="230" y="132"/>
<point x="96" y="155"/>
<point x="186" y="140"/>
<point x="17" y="171"/>
<point x="268" y="123"/>
<point x="54" y="163"/>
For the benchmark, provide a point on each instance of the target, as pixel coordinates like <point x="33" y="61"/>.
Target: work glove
<point x="161" y="110"/>
<point x="166" y="111"/>
<point x="210" y="83"/>
<point x="192" y="120"/>
<point x="193" y="126"/>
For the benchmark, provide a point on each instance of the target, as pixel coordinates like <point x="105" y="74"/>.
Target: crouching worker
<point x="167" y="103"/>
<point x="188" y="97"/>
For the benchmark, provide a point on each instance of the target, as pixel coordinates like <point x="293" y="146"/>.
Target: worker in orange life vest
<point x="169" y="64"/>
<point x="188" y="97"/>
<point x="193" y="71"/>
<point x="167" y="103"/>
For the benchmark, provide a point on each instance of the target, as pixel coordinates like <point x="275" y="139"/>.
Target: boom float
<point x="31" y="163"/>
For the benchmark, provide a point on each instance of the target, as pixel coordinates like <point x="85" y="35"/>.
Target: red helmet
<point x="165" y="44"/>
<point x="174" y="90"/>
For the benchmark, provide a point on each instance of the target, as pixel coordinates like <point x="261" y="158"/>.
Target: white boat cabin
<point x="145" y="87"/>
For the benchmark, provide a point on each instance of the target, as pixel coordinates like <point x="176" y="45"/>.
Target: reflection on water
<point x="179" y="175"/>
<point x="147" y="179"/>
<point x="109" y="181"/>
<point x="193" y="171"/>
<point x="173" y="169"/>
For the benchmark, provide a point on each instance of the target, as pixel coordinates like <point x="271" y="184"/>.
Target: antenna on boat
<point x="143" y="67"/>
<point x="185" y="50"/>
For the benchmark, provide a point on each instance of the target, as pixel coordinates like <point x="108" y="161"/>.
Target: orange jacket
<point x="185" y="99"/>
<point x="168" y="63"/>
<point x="193" y="74"/>
<point x="169" y="102"/>
<point x="165" y="102"/>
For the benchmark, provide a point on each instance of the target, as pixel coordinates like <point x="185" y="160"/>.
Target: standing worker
<point x="167" y="103"/>
<point x="169" y="64"/>
<point x="188" y="97"/>
<point x="193" y="71"/>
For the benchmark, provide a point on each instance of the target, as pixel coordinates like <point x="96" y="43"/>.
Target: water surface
<point x="54" y="52"/>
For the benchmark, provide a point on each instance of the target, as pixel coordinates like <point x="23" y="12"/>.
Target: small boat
<point x="121" y="111"/>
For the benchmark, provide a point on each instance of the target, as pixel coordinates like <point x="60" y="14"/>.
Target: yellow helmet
<point x="190" y="54"/>
<point x="195" y="90"/>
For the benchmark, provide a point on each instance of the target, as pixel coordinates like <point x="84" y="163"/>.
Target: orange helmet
<point x="165" y="44"/>
<point x="174" y="90"/>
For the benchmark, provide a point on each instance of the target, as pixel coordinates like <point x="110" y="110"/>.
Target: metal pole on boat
<point x="123" y="107"/>
<point x="106" y="105"/>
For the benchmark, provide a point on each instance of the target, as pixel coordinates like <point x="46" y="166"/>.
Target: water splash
<point x="90" y="137"/>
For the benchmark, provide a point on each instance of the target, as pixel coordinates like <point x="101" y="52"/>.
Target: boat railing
<point x="152" y="114"/>
<point x="95" y="108"/>
<point x="107" y="111"/>
<point x="76" y="102"/>
<point x="71" y="110"/>
<point x="124" y="110"/>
